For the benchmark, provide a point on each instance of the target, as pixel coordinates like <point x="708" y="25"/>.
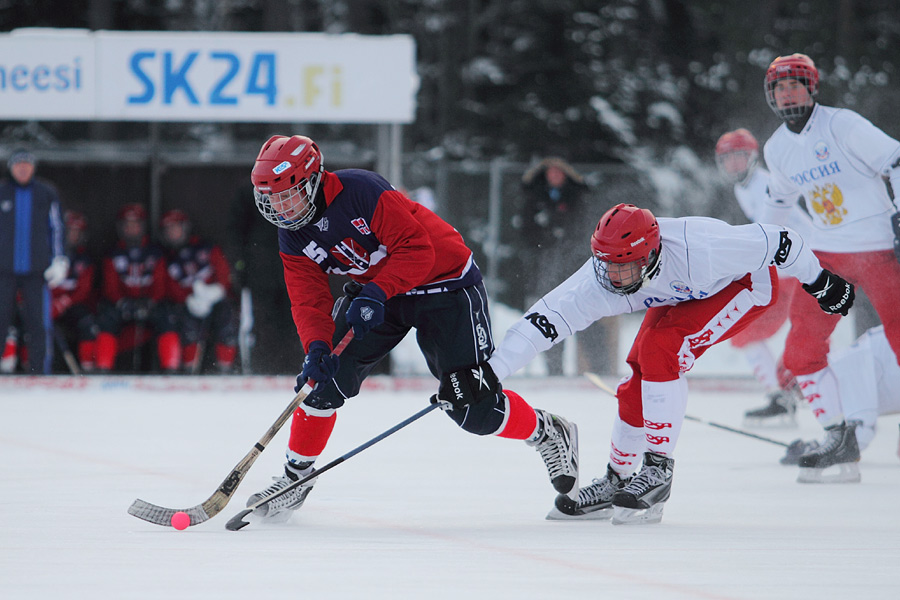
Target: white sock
<point x="665" y="403"/>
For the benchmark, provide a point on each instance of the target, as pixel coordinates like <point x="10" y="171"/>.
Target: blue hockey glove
<point x="366" y="311"/>
<point x="320" y="365"/>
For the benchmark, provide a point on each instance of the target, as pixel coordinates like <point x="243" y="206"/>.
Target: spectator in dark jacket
<point x="31" y="255"/>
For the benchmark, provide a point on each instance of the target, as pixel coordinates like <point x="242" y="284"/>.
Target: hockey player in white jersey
<point x="869" y="378"/>
<point x="737" y="156"/>
<point x="838" y="162"/>
<point x="701" y="282"/>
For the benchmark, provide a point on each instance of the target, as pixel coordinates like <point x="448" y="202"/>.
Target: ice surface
<point x="431" y="512"/>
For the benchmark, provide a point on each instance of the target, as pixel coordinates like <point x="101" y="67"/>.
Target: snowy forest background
<point x="635" y="93"/>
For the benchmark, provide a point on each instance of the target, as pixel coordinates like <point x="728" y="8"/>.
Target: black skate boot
<point x="796" y="449"/>
<point x="643" y="498"/>
<point x="557" y="441"/>
<point x="839" y="449"/>
<point x="594" y="501"/>
<point x="280" y="509"/>
<point x="780" y="412"/>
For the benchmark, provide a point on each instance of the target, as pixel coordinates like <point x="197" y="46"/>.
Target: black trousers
<point x="453" y="330"/>
<point x="35" y="316"/>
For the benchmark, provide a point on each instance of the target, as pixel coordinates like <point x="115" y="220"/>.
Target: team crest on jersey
<point x="351" y="254"/>
<point x="322" y="224"/>
<point x="680" y="287"/>
<point x="827" y="202"/>
<point x="361" y="226"/>
<point x="821" y="150"/>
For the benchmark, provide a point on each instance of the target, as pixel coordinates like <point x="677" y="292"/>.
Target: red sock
<point x="189" y="355"/>
<point x="169" y="348"/>
<point x="310" y="430"/>
<point x="107" y="348"/>
<point x="521" y="421"/>
<point x="86" y="351"/>
<point x="225" y="355"/>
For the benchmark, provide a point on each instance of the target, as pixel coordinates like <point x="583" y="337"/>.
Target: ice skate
<point x="281" y="508"/>
<point x="557" y="442"/>
<point x="835" y="460"/>
<point x="796" y="449"/>
<point x="594" y="501"/>
<point x="780" y="412"/>
<point x="643" y="498"/>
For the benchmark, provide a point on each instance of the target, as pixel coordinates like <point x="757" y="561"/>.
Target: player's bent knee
<point x="483" y="418"/>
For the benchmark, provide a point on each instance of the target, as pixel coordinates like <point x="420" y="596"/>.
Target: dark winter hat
<point x="21" y="155"/>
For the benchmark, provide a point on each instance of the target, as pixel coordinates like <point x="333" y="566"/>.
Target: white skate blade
<point x="779" y="422"/>
<point x="637" y="516"/>
<point x="598" y="515"/>
<point x="840" y="473"/>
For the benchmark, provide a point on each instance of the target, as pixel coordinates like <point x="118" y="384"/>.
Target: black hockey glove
<point x="832" y="292"/>
<point x="468" y="386"/>
<point x="895" y="223"/>
<point x="320" y="365"/>
<point x="366" y="311"/>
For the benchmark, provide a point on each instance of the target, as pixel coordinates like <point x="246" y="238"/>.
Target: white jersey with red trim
<point x="838" y="163"/>
<point x="699" y="257"/>
<point x="752" y="193"/>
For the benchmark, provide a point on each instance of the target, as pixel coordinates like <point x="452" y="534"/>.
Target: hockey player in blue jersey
<point x="410" y="270"/>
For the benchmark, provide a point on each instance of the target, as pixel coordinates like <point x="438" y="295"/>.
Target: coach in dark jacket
<point x="31" y="255"/>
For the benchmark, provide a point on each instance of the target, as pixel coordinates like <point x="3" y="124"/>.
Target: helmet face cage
<point x="294" y="207"/>
<point x="629" y="277"/>
<point x="801" y="68"/>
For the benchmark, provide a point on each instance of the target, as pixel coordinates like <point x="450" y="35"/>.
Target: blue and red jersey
<point x="195" y="261"/>
<point x="374" y="234"/>
<point x="134" y="272"/>
<point x="78" y="286"/>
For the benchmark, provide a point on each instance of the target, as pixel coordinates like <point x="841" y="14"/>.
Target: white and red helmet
<point x="801" y="68"/>
<point x="626" y="235"/>
<point x="737" y="153"/>
<point x="286" y="178"/>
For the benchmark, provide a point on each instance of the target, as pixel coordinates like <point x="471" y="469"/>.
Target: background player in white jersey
<point x="737" y="156"/>
<point x="869" y="377"/>
<point x="701" y="281"/>
<point x="838" y="162"/>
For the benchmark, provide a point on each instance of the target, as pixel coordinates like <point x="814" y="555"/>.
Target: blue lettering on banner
<point x="174" y="75"/>
<point x="41" y="78"/>
<point x="816" y="173"/>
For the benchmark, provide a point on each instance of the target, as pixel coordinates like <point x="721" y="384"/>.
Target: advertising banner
<point x="206" y="76"/>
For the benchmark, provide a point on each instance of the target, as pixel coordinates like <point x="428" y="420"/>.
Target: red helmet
<point x="170" y="217"/>
<point x="75" y="220"/>
<point x="626" y="237"/>
<point x="736" y="153"/>
<point x="133" y="211"/>
<point x="799" y="67"/>
<point x="285" y="179"/>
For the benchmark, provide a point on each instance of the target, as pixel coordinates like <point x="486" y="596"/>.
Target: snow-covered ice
<point x="431" y="512"/>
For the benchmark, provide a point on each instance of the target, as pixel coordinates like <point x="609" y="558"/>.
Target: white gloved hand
<point x="204" y="297"/>
<point x="211" y="292"/>
<point x="198" y="306"/>
<point x="56" y="273"/>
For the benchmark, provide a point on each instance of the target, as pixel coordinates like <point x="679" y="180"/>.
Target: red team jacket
<point x="78" y="286"/>
<point x="136" y="272"/>
<point x="372" y="233"/>
<point x="195" y="261"/>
